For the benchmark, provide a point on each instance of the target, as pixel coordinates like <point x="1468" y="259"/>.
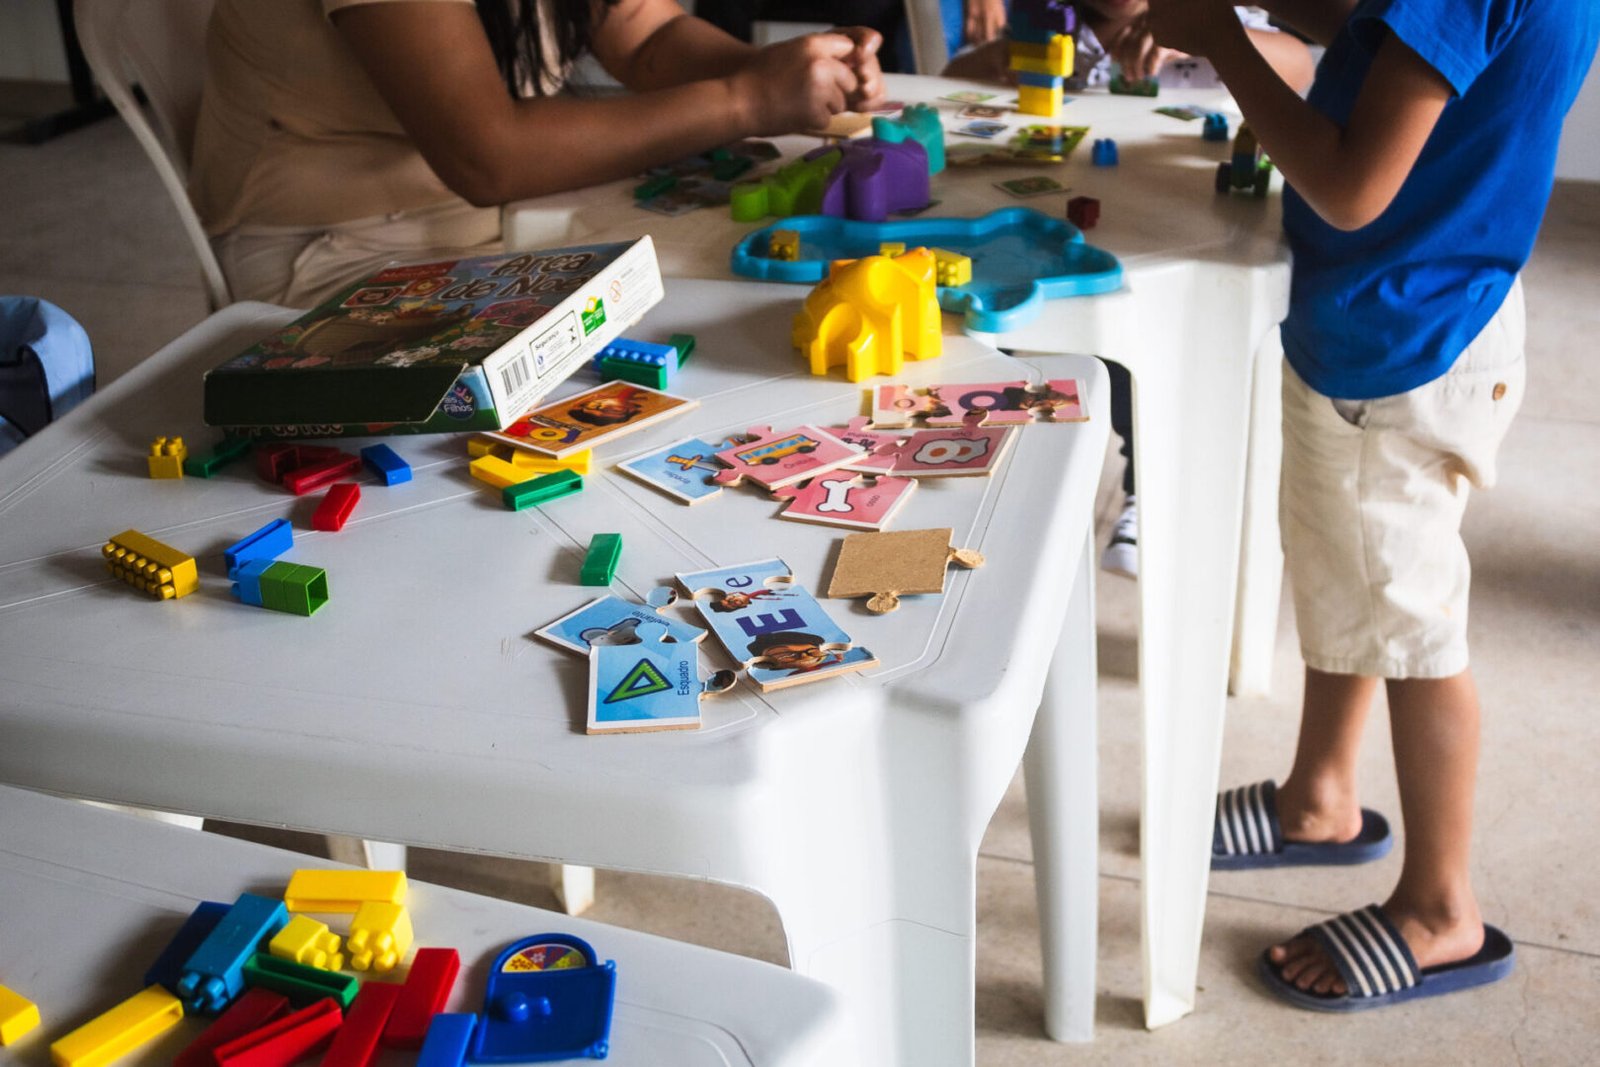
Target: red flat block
<point x="427" y="987"/>
<point x="281" y="1043"/>
<point x="312" y="476"/>
<point x="336" y="507"/>
<point x="254" y="1009"/>
<point x="356" y="1043"/>
<point x="274" y="461"/>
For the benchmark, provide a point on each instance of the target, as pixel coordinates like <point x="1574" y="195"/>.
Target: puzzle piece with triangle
<point x="772" y="625"/>
<point x="613" y="620"/>
<point x="843" y="498"/>
<point x="652" y="684"/>
<point x="999" y="403"/>
<point x="773" y="460"/>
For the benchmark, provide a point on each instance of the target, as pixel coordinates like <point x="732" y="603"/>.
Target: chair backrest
<point x="159" y="45"/>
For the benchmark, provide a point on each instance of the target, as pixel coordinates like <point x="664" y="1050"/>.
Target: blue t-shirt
<point x="1386" y="308"/>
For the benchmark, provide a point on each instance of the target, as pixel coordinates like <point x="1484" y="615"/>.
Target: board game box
<point x="453" y="345"/>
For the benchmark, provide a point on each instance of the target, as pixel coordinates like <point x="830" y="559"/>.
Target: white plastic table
<point x="1196" y="325"/>
<point x="92" y="896"/>
<point x="415" y="708"/>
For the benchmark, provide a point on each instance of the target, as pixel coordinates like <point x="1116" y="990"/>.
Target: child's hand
<point x="801" y="83"/>
<point x="868" y="93"/>
<point x="1135" y="50"/>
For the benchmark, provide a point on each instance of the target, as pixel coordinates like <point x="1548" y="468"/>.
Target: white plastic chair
<point x="159" y="45"/>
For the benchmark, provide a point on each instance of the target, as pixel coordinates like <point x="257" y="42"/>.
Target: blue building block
<point x="546" y="999"/>
<point x="449" y="1036"/>
<point x="246" y="578"/>
<point x="269" y="542"/>
<point x="1041" y="16"/>
<point x="386" y="463"/>
<point x="214" y="975"/>
<point x="168" y="967"/>
<point x="652" y="355"/>
<point x="1215" y="128"/>
<point x="1104" y="153"/>
<point x="1038" y="81"/>
<point x="288" y="587"/>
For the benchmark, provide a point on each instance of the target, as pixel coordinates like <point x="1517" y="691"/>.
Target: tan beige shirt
<point x="291" y="132"/>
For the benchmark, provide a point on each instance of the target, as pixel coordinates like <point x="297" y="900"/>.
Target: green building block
<point x="300" y="983"/>
<point x="225" y="453"/>
<point x="541" y="490"/>
<point x="627" y="370"/>
<point x="796" y="189"/>
<point x="684" y="343"/>
<point x="600" y="565"/>
<point x="294" y="587"/>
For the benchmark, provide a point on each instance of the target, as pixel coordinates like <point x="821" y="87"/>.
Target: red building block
<point x="1083" y="212"/>
<point x="313" y="476"/>
<point x="254" y="1009"/>
<point x="282" y="1042"/>
<point x="356" y="1043"/>
<point x="336" y="507"/>
<point x="427" y="987"/>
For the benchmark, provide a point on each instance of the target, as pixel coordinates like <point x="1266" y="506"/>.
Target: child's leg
<point x="1317" y="802"/>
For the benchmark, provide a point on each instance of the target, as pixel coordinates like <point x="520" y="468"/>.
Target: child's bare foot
<point x="1315" y="815"/>
<point x="1304" y="963"/>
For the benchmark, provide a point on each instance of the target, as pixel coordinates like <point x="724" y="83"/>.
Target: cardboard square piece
<point x="885" y="566"/>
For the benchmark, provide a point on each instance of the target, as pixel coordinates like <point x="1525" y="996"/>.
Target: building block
<point x="336" y="506"/>
<point x="891" y="248"/>
<point x="785" y="245"/>
<point x="427" y="987"/>
<point x="297" y="981"/>
<point x="600" y="563"/>
<point x="647" y="353"/>
<point x="875" y="178"/>
<point x="269" y="542"/>
<point x="624" y="370"/>
<point x="254" y="1009"/>
<point x="310" y="477"/>
<point x="542" y="490"/>
<point x="380" y="935"/>
<point x="283" y="1041"/>
<point x="1104" y="152"/>
<point x="525" y="459"/>
<point x="1214" y="127"/>
<point x="794" y="189"/>
<point x="166" y="457"/>
<point x="1053" y="57"/>
<point x="547" y="998"/>
<point x="229" y="450"/>
<point x="214" y="974"/>
<point x="1039" y="100"/>
<point x="288" y="587"/>
<point x="1249" y="170"/>
<point x="356" y="1043"/>
<point x="1083" y="212"/>
<point x="386" y="463"/>
<point x="951" y="268"/>
<point x="869" y="315"/>
<point x="308" y="941"/>
<point x="654" y="186"/>
<point x="147" y="564"/>
<point x="168" y="967"/>
<point x="498" y="471"/>
<point x="18" y="1015"/>
<point x="342" y="891"/>
<point x="448" y="1040"/>
<point x="136" y="1021"/>
<point x="684" y="344"/>
<point x="275" y="461"/>
<point x="1041" y="17"/>
<point x="917" y="122"/>
<point x="1121" y="86"/>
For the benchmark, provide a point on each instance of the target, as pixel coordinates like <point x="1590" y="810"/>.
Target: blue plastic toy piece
<point x="645" y="352"/>
<point x="1020" y="258"/>
<point x="214" y="975"/>
<point x="1104" y="153"/>
<point x="449" y="1036"/>
<point x="547" y="999"/>
<point x="269" y="542"/>
<point x="168" y="967"/>
<point x="1038" y="81"/>
<point x="386" y="463"/>
<point x="1215" y="127"/>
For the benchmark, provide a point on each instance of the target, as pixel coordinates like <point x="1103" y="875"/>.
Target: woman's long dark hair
<point x="513" y="30"/>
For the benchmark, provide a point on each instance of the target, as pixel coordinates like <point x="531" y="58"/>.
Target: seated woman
<point x="337" y="135"/>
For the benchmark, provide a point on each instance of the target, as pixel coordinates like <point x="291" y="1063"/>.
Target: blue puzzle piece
<point x="651" y="684"/>
<point x="613" y="620"/>
<point x="547" y="999"/>
<point x="214" y="975"/>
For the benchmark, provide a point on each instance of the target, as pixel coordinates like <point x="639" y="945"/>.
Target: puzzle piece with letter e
<point x="611" y="620"/>
<point x="1016" y="403"/>
<point x="774" y="460"/>
<point x="652" y="684"/>
<point x="844" y="498"/>
<point x="772" y="625"/>
<point x="969" y="449"/>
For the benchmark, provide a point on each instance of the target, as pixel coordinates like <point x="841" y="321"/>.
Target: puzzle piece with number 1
<point x="999" y="403"/>
<point x="653" y="684"/>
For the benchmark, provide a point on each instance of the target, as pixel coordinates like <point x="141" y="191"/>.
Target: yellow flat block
<point x="147" y="564"/>
<point x="380" y="935"/>
<point x="18" y="1015"/>
<point x="313" y="889"/>
<point x="141" y="1018"/>
<point x="578" y="462"/>
<point x="498" y="472"/>
<point x="308" y="941"/>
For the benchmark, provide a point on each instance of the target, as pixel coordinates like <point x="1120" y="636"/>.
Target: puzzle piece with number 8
<point x="970" y="449"/>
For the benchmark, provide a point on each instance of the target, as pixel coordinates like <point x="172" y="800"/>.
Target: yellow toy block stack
<point x="1041" y="51"/>
<point x="869" y="315"/>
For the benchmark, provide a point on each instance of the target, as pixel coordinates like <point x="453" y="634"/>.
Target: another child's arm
<point x="982" y="21"/>
<point x="696" y="88"/>
<point x="1135" y="50"/>
<point x="1348" y="174"/>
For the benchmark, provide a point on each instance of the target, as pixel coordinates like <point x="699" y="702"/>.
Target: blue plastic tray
<point x="1020" y="258"/>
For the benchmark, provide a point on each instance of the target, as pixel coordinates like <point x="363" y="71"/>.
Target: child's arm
<point x="982" y="21"/>
<point x="433" y="66"/>
<point x="1134" y="49"/>
<point x="1348" y="174"/>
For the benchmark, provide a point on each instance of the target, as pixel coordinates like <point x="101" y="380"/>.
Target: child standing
<point x="1418" y="171"/>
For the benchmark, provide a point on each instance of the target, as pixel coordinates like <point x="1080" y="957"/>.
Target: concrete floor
<point x="87" y="226"/>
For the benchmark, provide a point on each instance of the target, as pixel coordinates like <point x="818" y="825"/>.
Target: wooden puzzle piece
<point x="684" y="469"/>
<point x="970" y="449"/>
<point x="591" y="417"/>
<point x="886" y="566"/>
<point x="614" y="621"/>
<point x="999" y="403"/>
<point x="842" y="498"/>
<point x="772" y="625"/>
<point x="898" y="405"/>
<point x="859" y="432"/>
<point x="774" y="460"/>
<point x="652" y="684"/>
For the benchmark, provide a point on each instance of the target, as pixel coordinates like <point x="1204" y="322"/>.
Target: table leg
<point x="1255" y="621"/>
<point x="1059" y="770"/>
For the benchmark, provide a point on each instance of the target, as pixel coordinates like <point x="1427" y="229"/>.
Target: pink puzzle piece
<point x="774" y="460"/>
<point x="860" y="433"/>
<point x="1008" y="403"/>
<point x="969" y="449"/>
<point x="898" y="405"/>
<point x="845" y="499"/>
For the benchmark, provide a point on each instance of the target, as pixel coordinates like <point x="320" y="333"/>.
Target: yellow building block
<point x="307" y="941"/>
<point x="380" y="934"/>
<point x="141" y="1018"/>
<point x="869" y="315"/>
<point x="784" y="244"/>
<point x="166" y="457"/>
<point x="315" y="889"/>
<point x="580" y="462"/>
<point x="891" y="248"/>
<point x="498" y="472"/>
<point x="1054" y="58"/>
<point x="951" y="268"/>
<point x="147" y="564"/>
<point x="18" y="1015"/>
<point x="1038" y="100"/>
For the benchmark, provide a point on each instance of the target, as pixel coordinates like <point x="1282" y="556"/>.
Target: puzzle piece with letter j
<point x="772" y="625"/>
<point x="652" y="684"/>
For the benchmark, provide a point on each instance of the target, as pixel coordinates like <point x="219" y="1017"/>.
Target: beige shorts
<point x="1371" y="504"/>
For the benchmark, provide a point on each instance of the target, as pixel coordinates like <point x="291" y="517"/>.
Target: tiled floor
<point x="86" y="225"/>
